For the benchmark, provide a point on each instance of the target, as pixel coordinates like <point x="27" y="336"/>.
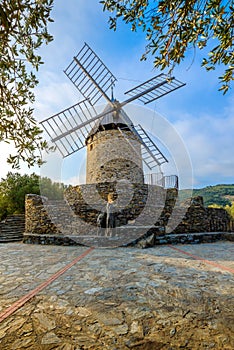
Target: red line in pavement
<point x="14" y="307"/>
<point x="222" y="267"/>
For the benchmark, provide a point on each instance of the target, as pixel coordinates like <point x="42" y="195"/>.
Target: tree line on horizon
<point x="221" y="195"/>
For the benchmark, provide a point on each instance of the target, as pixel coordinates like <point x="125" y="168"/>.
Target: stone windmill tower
<point x="116" y="148"/>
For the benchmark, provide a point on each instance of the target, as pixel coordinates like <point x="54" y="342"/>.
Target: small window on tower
<point x="91" y="147"/>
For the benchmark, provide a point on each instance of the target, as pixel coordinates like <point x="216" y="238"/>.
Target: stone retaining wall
<point x="135" y="204"/>
<point x="201" y="219"/>
<point x="37" y="219"/>
<point x="142" y="204"/>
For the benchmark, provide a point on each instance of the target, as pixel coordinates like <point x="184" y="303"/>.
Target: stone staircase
<point x="12" y="228"/>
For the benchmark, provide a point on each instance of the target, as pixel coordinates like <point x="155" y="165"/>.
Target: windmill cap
<point x="114" y="117"/>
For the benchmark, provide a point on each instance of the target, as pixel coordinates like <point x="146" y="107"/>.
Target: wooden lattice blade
<point x="69" y="129"/>
<point x="153" y="89"/>
<point x="90" y="75"/>
<point x="150" y="152"/>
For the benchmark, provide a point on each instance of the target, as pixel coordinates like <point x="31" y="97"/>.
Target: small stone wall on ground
<point x="183" y="238"/>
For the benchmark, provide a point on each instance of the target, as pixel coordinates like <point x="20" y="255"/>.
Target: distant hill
<point x="218" y="194"/>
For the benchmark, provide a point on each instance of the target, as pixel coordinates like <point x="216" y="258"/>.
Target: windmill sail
<point x="68" y="129"/>
<point x="90" y="75"/>
<point x="150" y="152"/>
<point x="154" y="88"/>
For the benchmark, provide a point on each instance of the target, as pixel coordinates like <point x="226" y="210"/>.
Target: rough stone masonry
<point x="71" y="219"/>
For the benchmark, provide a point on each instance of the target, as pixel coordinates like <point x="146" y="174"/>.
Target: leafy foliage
<point x="219" y="195"/>
<point x="23" y="29"/>
<point x="50" y="189"/>
<point x="173" y="27"/>
<point x="13" y="190"/>
<point x="230" y="210"/>
<point x="15" y="186"/>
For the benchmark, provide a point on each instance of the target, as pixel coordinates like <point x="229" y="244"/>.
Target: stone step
<point x="12" y="228"/>
<point x="11" y="235"/>
<point x="6" y="240"/>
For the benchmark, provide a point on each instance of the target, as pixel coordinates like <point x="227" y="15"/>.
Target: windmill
<point x="82" y="125"/>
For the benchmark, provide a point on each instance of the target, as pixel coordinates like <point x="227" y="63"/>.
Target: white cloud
<point x="209" y="139"/>
<point x="55" y="93"/>
<point x="6" y="150"/>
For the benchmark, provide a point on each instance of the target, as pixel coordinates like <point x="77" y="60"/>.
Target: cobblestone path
<point x="125" y="298"/>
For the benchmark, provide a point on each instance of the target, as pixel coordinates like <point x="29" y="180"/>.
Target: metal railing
<point x="157" y="179"/>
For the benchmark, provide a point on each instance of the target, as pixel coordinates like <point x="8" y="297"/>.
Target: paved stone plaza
<point x="125" y="298"/>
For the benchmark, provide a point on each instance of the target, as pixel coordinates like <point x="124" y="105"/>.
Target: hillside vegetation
<point x="218" y="194"/>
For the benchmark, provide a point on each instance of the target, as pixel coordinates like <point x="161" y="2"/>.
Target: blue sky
<point x="201" y="115"/>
